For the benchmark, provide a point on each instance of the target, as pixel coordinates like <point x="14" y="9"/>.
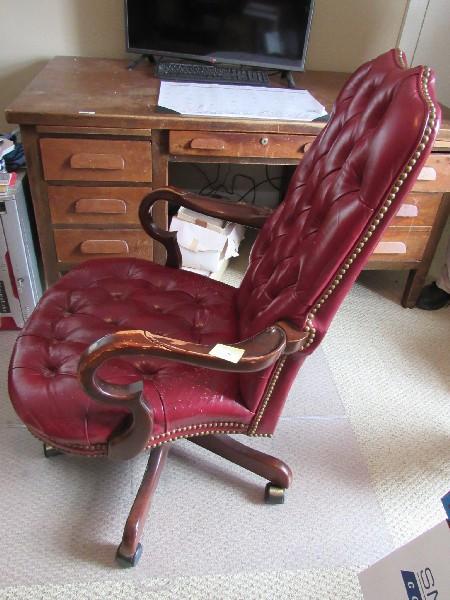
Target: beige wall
<point x="433" y="46"/>
<point x="35" y="30"/>
<point x="344" y="34"/>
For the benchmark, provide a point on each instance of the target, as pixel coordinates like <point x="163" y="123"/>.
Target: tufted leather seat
<point x="140" y="328"/>
<point x="103" y="296"/>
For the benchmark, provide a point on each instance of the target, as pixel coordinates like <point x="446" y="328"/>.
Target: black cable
<point x="202" y="171"/>
<point x="243" y="176"/>
<point x="271" y="179"/>
<point x="212" y="187"/>
<point x="210" y="183"/>
<point x="222" y="185"/>
<point x="253" y="189"/>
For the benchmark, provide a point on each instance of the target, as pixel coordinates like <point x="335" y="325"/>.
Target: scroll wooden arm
<point x="259" y="352"/>
<point x="237" y="212"/>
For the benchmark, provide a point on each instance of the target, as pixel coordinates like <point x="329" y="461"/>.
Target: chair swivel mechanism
<point x="123" y="355"/>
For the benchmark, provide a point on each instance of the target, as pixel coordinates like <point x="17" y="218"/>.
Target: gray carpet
<point x="62" y="518"/>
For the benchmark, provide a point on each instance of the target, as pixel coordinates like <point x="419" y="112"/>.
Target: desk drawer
<point x="417" y="210"/>
<point x="95" y="205"/>
<point x="205" y="143"/>
<point x="401" y="244"/>
<point x="96" y="160"/>
<point x="76" y="245"/>
<point x="435" y="176"/>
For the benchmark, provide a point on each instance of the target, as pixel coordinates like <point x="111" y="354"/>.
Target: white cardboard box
<point x="419" y="570"/>
<point x="212" y="275"/>
<point x="191" y="216"/>
<point x="206" y="243"/>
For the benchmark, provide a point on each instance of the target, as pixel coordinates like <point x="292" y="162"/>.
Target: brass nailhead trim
<point x="195" y="427"/>
<point x="231" y="427"/>
<point x="78" y="449"/>
<point x="400" y="58"/>
<point x="198" y="433"/>
<point x="265" y="401"/>
<point x="309" y="328"/>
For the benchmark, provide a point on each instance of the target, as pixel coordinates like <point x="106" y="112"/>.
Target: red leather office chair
<point x="152" y="369"/>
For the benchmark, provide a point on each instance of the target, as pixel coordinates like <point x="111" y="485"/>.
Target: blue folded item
<point x="16" y="158"/>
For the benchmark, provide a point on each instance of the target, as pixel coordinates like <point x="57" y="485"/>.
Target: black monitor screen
<point x="270" y="33"/>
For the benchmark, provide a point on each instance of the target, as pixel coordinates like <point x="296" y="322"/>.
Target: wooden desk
<point x="96" y="144"/>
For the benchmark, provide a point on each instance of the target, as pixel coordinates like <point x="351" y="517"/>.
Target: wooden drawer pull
<point x="306" y="147"/>
<point x="207" y="144"/>
<point x="390" y="248"/>
<point x="109" y="162"/>
<point x="104" y="247"/>
<point x="407" y="210"/>
<point x="427" y="174"/>
<point x="101" y="206"/>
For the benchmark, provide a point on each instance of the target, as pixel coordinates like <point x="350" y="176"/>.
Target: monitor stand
<point x="289" y="78"/>
<point x="134" y="63"/>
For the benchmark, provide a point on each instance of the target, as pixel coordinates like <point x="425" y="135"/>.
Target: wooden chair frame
<point x="260" y="352"/>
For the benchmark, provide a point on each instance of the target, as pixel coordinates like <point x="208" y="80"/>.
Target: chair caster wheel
<point x="128" y="561"/>
<point x="274" y="494"/>
<point x="49" y="451"/>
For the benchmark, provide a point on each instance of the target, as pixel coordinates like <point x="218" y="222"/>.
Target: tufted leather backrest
<point x="376" y="126"/>
<point x="339" y="200"/>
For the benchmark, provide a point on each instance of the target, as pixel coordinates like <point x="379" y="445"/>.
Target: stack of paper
<point x="214" y="100"/>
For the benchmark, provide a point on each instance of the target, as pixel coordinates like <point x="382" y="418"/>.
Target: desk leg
<point x="38" y="187"/>
<point x="416" y="278"/>
<point x="413" y="287"/>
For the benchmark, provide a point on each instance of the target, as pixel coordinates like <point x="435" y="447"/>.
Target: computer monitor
<point x="262" y="33"/>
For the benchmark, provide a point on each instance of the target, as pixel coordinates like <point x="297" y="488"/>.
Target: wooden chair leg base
<point x="128" y="561"/>
<point x="50" y="451"/>
<point x="274" y="470"/>
<point x="130" y="550"/>
<point x="273" y="494"/>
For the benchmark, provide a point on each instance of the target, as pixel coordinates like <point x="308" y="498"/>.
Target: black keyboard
<point x="198" y="73"/>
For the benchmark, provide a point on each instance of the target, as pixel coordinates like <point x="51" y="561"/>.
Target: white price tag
<point x="229" y="353"/>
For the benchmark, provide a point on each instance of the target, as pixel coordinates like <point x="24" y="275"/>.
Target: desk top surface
<point x="117" y="97"/>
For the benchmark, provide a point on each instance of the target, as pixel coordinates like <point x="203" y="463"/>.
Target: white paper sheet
<point x="214" y="100"/>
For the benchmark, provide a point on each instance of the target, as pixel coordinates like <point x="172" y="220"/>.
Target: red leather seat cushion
<point x="101" y="297"/>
